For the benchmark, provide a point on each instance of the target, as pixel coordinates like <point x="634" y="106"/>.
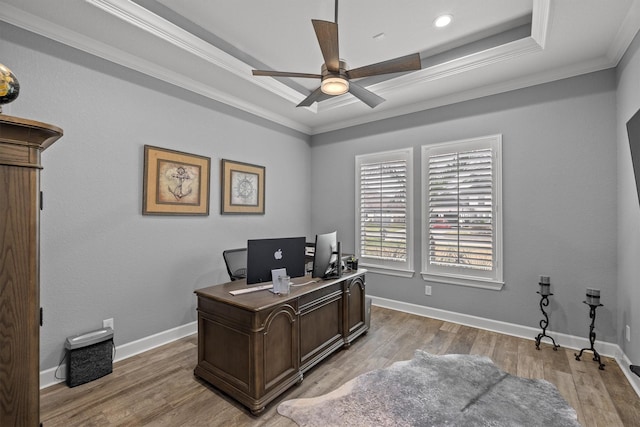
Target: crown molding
<point x="441" y="71"/>
<point x="626" y="34"/>
<point x="135" y="15"/>
<point x="76" y="40"/>
<point x="479" y="92"/>
<point x="540" y="21"/>
<point x="144" y="19"/>
<point x="138" y="16"/>
<point x="508" y="51"/>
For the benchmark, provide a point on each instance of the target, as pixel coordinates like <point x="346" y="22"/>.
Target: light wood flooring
<point x="158" y="388"/>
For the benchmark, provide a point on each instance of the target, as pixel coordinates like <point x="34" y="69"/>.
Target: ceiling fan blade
<point x="365" y="95"/>
<point x="316" y="96"/>
<point x="327" y="34"/>
<point x="284" y="74"/>
<point x="403" y="63"/>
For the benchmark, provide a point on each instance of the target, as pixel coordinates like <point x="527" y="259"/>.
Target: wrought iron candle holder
<point x="593" y="303"/>
<point x="545" y="293"/>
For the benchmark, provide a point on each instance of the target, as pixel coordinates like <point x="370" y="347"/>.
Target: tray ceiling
<point x="210" y="47"/>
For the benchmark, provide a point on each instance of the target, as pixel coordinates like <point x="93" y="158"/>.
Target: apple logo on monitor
<point x="278" y="254"/>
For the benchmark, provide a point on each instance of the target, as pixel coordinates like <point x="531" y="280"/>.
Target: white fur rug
<point x="430" y="390"/>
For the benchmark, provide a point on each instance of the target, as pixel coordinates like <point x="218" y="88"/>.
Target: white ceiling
<point x="211" y="46"/>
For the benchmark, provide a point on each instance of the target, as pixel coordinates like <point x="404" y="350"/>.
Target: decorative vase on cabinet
<point x="21" y="142"/>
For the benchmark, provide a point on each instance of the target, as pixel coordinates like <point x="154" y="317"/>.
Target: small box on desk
<point x="89" y="356"/>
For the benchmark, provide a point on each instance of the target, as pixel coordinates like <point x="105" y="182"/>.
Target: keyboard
<point x="251" y="289"/>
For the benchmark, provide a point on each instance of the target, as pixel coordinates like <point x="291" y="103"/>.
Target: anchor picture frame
<point x="175" y="183"/>
<point x="243" y="188"/>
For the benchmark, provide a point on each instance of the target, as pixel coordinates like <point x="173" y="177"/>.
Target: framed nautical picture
<point x="175" y="183"/>
<point x="242" y="188"/>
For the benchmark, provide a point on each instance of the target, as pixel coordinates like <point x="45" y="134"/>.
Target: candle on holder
<point x="593" y="296"/>
<point x="545" y="286"/>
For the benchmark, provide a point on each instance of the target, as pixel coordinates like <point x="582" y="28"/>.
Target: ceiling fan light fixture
<point x="334" y="85"/>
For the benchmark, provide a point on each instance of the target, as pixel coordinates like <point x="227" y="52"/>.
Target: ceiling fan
<point x="336" y="79"/>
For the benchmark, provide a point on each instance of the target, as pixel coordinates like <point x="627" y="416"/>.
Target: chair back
<point x="236" y="262"/>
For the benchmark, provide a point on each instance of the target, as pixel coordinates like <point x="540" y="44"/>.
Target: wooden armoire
<point x="21" y="142"/>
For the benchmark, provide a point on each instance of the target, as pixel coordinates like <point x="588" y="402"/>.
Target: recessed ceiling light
<point x="443" y="20"/>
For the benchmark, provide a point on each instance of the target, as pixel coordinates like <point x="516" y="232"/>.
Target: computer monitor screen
<point x="326" y="255"/>
<point x="264" y="255"/>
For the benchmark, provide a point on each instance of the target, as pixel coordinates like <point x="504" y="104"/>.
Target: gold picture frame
<point x="175" y="183"/>
<point x="242" y="188"/>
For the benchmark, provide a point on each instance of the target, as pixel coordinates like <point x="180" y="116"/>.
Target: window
<point x="384" y="212"/>
<point x="461" y="215"/>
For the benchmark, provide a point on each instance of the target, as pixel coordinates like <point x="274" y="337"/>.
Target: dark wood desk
<point x="255" y="346"/>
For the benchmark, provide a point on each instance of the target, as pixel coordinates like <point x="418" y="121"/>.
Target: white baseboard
<point x="567" y="341"/>
<point x="47" y="377"/>
<point x="625" y="363"/>
<point x="124" y="351"/>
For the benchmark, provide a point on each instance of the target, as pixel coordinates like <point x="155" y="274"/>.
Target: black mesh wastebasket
<point x="89" y="356"/>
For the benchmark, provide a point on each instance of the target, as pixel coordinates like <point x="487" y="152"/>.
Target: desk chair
<point x="236" y="262"/>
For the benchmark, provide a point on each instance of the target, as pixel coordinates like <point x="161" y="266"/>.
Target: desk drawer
<point x="315" y="297"/>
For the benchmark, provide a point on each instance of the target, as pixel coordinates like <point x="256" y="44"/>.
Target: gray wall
<point x="100" y="257"/>
<point x="559" y="198"/>
<point x="628" y="207"/>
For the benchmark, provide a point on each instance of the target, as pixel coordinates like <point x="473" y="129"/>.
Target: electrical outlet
<point x="427" y="290"/>
<point x="627" y="333"/>
<point x="107" y="323"/>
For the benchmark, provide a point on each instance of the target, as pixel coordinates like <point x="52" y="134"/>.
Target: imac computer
<point x="264" y="255"/>
<point x="327" y="260"/>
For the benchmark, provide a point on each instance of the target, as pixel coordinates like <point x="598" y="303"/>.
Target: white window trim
<point x="495" y="282"/>
<point x="398" y="269"/>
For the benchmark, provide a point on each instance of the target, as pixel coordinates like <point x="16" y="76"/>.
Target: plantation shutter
<point x="383" y="210"/>
<point x="460" y="214"/>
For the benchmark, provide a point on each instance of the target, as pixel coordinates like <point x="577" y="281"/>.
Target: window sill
<point x="387" y="270"/>
<point x="472" y="282"/>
